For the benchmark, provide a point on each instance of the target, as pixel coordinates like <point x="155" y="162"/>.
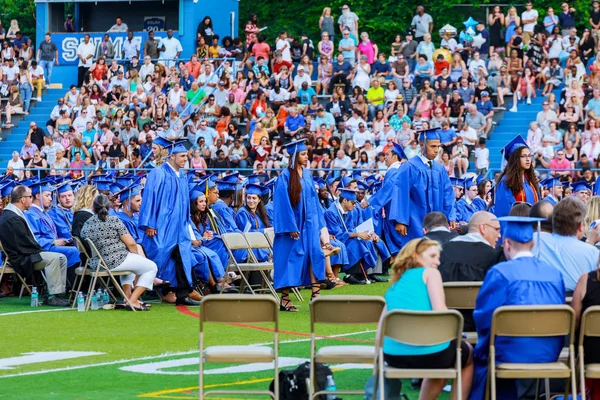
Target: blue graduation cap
<point x="39" y="187"/>
<point x="320" y="182"/>
<point x="173" y="147"/>
<point x="232" y="178"/>
<point x="375" y="187"/>
<point x="257" y="178"/>
<point x="519" y="229"/>
<point x="129" y="179"/>
<point x="77" y="183"/>
<point x="115" y="188"/>
<point x="479" y="178"/>
<point x="429" y="134"/>
<point x="513" y="145"/>
<point x="331" y="180"/>
<point x="63" y="188"/>
<point x="162" y="142"/>
<point x="345" y="181"/>
<point x="580" y="185"/>
<point x="371" y="179"/>
<point x="469" y="183"/>
<point x="206" y="184"/>
<point x="255" y="189"/>
<point x="399" y="151"/>
<point x="296" y="146"/>
<point x="102" y="184"/>
<point x="30" y="181"/>
<point x="7" y="187"/>
<point x="362" y="186"/>
<point x="549" y="183"/>
<point x="457" y="182"/>
<point x="348" y="194"/>
<point x="128" y="192"/>
<point x="271" y="184"/>
<point x="357" y="174"/>
<point x="223" y="185"/>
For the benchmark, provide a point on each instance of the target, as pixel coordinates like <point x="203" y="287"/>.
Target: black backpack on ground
<point x="292" y="383"/>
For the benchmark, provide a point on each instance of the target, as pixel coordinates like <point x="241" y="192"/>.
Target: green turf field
<point x="47" y="353"/>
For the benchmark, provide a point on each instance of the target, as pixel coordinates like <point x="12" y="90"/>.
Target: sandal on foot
<point x="315" y="293"/>
<point x="285" y="304"/>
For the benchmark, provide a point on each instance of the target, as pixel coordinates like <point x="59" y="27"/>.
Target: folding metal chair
<point x="346" y="310"/>
<point x="420" y="328"/>
<point x="257" y="240"/>
<point x="238" y="308"/>
<point x="462" y="296"/>
<point x="103" y="272"/>
<point x="590" y="327"/>
<point x="532" y="321"/>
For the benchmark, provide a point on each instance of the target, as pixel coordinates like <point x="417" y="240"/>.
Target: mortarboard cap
<point x="371" y="179"/>
<point x="345" y="181"/>
<point x="65" y="187"/>
<point x="231" y="178"/>
<point x="348" y="194"/>
<point x="550" y="182"/>
<point x="399" y="151"/>
<point x="580" y="185"/>
<point x="205" y="184"/>
<point x="173" y="147"/>
<point x="41" y="186"/>
<point x="196" y="190"/>
<point x="331" y="180"/>
<point x="513" y="145"/>
<point x="469" y="183"/>
<point x="295" y="147"/>
<point x="7" y="187"/>
<point x="320" y="182"/>
<point x="256" y="189"/>
<point x="257" y="178"/>
<point x="162" y="142"/>
<point x="129" y="191"/>
<point x="223" y="185"/>
<point x="357" y="174"/>
<point x="457" y="182"/>
<point x="374" y="188"/>
<point x="519" y="229"/>
<point x="429" y="134"/>
<point x="362" y="186"/>
<point x="271" y="184"/>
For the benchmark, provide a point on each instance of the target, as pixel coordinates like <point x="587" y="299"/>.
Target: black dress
<point x="592" y="298"/>
<point x="79" y="218"/>
<point x="496" y="37"/>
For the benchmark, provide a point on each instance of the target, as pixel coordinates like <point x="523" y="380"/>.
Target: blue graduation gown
<point x="45" y="233"/>
<point x="465" y="209"/>
<point x="358" y="250"/>
<point x="206" y="261"/>
<point x="522" y="281"/>
<point x="479" y="204"/>
<point x="216" y="244"/>
<point x="63" y="219"/>
<point x="166" y="208"/>
<point x="383" y="199"/>
<point x="131" y="223"/>
<point x="293" y="258"/>
<point x="551" y="200"/>
<point x="359" y="216"/>
<point x="420" y="190"/>
<point x="270" y="211"/>
<point x="340" y="259"/>
<point x="505" y="198"/>
<point x="245" y="218"/>
<point x="225" y="221"/>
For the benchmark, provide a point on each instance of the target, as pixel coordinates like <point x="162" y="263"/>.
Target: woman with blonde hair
<point x="416" y="285"/>
<point x="82" y="208"/>
<point x="593" y="212"/>
<point x="13" y="29"/>
<point x="326" y="24"/>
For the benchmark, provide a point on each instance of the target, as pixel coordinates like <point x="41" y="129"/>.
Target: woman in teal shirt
<point x="417" y="286"/>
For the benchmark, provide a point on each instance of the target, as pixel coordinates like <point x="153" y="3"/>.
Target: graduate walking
<point x="422" y="186"/>
<point x="298" y="258"/>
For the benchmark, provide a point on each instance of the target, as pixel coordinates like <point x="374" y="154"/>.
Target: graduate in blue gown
<point x="466" y="206"/>
<point x="383" y="198"/>
<point x="339" y="260"/>
<point x="131" y="202"/>
<point x="422" y="186"/>
<point x="252" y="217"/>
<point x="165" y="218"/>
<point x="582" y="190"/>
<point x="341" y="224"/>
<point x="555" y="190"/>
<point x="523" y="280"/>
<point x="484" y="187"/>
<point x="270" y="185"/>
<point x="298" y="257"/>
<point x="43" y="227"/>
<point x="517" y="182"/>
<point x="62" y="213"/>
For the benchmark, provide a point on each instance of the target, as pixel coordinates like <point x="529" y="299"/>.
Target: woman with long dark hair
<point x="299" y="223"/>
<point x="518" y="182"/>
<point x="252" y="217"/>
<point x="484" y="195"/>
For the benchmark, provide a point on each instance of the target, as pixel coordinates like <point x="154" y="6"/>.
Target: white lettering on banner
<point x="70" y="44"/>
<point x="160" y="367"/>
<point x="45" y="356"/>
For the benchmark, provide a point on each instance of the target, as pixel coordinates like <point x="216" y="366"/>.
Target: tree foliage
<point x="21" y="10"/>
<point x="382" y="19"/>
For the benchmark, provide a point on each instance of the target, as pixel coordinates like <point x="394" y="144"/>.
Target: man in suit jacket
<point x="435" y="227"/>
<point x="24" y="254"/>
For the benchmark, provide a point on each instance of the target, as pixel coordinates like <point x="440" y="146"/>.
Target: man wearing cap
<point x="582" y="190"/>
<point x="131" y="203"/>
<point x="422" y="186"/>
<point x="485" y="107"/>
<point x="43" y="227"/>
<point x="301" y="77"/>
<point x="465" y="206"/>
<point x="24" y="253"/>
<point x="164" y="218"/>
<point x="347" y="47"/>
<point x="62" y="213"/>
<point x="555" y="190"/>
<point x="522" y="280"/>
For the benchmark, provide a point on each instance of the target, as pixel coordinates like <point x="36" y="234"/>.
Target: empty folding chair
<point x="590" y="327"/>
<point x="461" y="296"/>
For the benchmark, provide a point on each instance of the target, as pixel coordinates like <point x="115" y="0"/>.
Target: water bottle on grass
<point x="80" y="302"/>
<point x="35" y="301"/>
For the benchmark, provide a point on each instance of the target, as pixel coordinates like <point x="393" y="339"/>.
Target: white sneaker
<point x="528" y="101"/>
<point x="514" y="109"/>
<point x="38" y="99"/>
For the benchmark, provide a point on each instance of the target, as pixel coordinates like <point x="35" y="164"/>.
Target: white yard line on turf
<point x="183" y="353"/>
<point x="36" y="311"/>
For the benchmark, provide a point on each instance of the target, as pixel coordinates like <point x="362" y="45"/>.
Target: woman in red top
<point x="263" y="151"/>
<point x="258" y="109"/>
<point x="99" y="69"/>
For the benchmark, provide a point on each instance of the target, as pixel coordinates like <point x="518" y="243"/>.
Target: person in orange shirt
<point x="258" y="134"/>
<point x="193" y="66"/>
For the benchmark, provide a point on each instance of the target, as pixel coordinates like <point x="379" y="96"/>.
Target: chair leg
<point x="297" y="294"/>
<point x="120" y="290"/>
<point x="90" y="290"/>
<point x="547" y="387"/>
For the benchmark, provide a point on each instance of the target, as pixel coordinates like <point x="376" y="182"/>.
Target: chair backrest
<point x="461" y="295"/>
<point x="239" y="308"/>
<point x="533" y="321"/>
<point x="234" y="241"/>
<point x="270" y="235"/>
<point x="257" y="240"/>
<point x="590" y="323"/>
<point x="422" y="328"/>
<point x="346" y="310"/>
<point x="95" y="253"/>
<point x="81" y="247"/>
